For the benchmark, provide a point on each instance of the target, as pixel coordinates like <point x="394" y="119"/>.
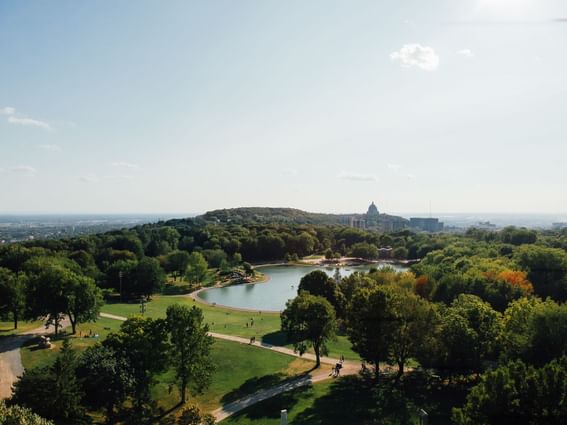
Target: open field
<point x="229" y="321"/>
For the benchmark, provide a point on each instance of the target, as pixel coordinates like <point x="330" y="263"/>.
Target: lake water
<point x="272" y="295"/>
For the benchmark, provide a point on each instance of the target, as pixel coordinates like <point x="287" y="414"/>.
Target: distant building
<point x="358" y="223"/>
<point x="372" y="210"/>
<point x="373" y="220"/>
<point x="426" y="224"/>
<point x="560" y="225"/>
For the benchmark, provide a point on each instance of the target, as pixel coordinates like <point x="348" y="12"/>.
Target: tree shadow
<point x="275" y="338"/>
<point x="360" y="400"/>
<point x="251" y="386"/>
<point x="271" y="408"/>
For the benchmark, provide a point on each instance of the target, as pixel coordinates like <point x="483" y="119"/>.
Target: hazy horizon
<point x="322" y="106"/>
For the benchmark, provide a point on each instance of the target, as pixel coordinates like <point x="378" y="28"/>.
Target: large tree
<point x="53" y="391"/>
<point x="197" y="268"/>
<point x="177" y="262"/>
<point x="518" y="394"/>
<point x="319" y="283"/>
<point x="12" y="294"/>
<point x="143" y="343"/>
<point x="368" y="324"/>
<point x="413" y="327"/>
<point x="190" y="348"/>
<point x="107" y="379"/>
<point x="309" y="319"/>
<point x="83" y="300"/>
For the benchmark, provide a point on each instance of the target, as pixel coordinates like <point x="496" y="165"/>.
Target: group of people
<point x="336" y="369"/>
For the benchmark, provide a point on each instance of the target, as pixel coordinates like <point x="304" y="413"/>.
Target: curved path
<point x="11" y="367"/>
<point x="349" y="368"/>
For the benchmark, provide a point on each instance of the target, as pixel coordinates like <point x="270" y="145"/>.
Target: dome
<point x="372" y="210"/>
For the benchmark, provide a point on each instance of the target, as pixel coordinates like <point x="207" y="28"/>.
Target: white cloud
<point x="89" y="178"/>
<point x="30" y="122"/>
<point x="410" y="176"/>
<point x="466" y="53"/>
<point x="410" y="55"/>
<point x="7" y="110"/>
<point x="289" y="172"/>
<point x="357" y="177"/>
<point x="53" y="148"/>
<point x="394" y="167"/>
<point x="26" y="170"/>
<point x="125" y="164"/>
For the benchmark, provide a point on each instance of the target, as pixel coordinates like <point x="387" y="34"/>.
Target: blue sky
<point x="184" y="106"/>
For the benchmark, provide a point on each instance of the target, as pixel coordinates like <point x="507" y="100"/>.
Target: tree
<point x="12" y="294"/>
<point x="190" y="348"/>
<point x="309" y="319"/>
<point x="368" y="321"/>
<point x="53" y="391"/>
<point x="177" y="262"/>
<point x="415" y="320"/>
<point x="319" y="283"/>
<point x="364" y="250"/>
<point x="148" y="277"/>
<point x="45" y="295"/>
<point x="83" y="300"/>
<point x="198" y="268"/>
<point x="142" y="342"/>
<point x="16" y="415"/>
<point x="107" y="379"/>
<point x="468" y="336"/>
<point x="517" y="394"/>
<point x="547" y="270"/>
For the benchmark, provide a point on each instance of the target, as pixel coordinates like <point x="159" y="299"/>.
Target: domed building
<point x="373" y="210"/>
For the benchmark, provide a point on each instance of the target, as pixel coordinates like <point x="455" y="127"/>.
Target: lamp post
<point x="120" y="278"/>
<point x="423" y="417"/>
<point x="283" y="417"/>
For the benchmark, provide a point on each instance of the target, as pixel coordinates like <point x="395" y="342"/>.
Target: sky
<point x="188" y="106"/>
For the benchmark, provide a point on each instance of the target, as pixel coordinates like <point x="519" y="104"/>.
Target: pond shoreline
<point x="282" y="279"/>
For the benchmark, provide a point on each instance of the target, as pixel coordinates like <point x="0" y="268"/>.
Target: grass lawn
<point x="353" y="400"/>
<point x="34" y="357"/>
<point x="231" y="322"/>
<point x="7" y="328"/>
<point x="240" y="370"/>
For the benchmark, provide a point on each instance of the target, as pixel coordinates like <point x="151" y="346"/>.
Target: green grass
<point x="354" y="400"/>
<point x="240" y="370"/>
<point x="32" y="356"/>
<point x="7" y="328"/>
<point x="231" y="322"/>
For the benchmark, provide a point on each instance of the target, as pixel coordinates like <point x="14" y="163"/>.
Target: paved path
<point x="349" y="368"/>
<point x="10" y="359"/>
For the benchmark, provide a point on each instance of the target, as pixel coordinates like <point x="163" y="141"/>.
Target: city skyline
<point x="188" y="107"/>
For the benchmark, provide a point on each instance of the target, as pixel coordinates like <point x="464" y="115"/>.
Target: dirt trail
<point x="11" y="367"/>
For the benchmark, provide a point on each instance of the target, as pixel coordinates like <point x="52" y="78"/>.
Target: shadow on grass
<point x="275" y="338"/>
<point x="251" y="386"/>
<point x="270" y="408"/>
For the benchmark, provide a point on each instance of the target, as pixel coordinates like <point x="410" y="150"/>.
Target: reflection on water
<point x="272" y="295"/>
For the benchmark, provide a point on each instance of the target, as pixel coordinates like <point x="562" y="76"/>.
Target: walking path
<point x="10" y="359"/>
<point x="349" y="368"/>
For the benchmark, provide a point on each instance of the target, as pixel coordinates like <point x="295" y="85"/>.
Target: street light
<point x="423" y="417"/>
<point x="120" y="277"/>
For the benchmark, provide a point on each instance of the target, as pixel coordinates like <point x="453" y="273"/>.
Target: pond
<point x="281" y="286"/>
